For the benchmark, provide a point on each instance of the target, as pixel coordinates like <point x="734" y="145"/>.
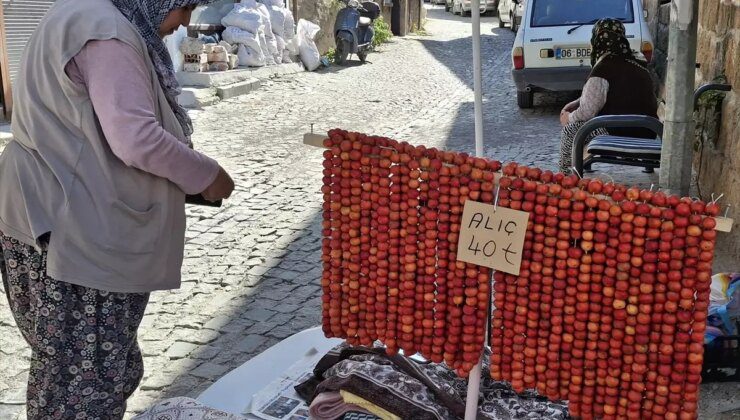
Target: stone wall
<point x="658" y="20"/>
<point x="718" y="144"/>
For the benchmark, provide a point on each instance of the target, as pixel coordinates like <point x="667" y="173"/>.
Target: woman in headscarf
<point x="619" y="84"/>
<point x="92" y="197"/>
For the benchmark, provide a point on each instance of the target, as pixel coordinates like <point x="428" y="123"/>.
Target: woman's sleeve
<point x="119" y="85"/>
<point x="592" y="100"/>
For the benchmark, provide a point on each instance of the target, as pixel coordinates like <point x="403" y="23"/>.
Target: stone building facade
<point x="717" y="157"/>
<point x="717" y="143"/>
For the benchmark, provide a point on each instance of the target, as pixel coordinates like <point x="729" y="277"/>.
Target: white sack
<point x="268" y="3"/>
<point x="230" y="48"/>
<point x="277" y="20"/>
<point x="307" y="48"/>
<point x="269" y="36"/>
<point x="244" y="18"/>
<point x="286" y="57"/>
<point x="269" y="57"/>
<point x="234" y="35"/>
<point x="173" y="47"/>
<point x="250" y="57"/>
<point x="289" y="27"/>
<point x="291" y="46"/>
<point x="280" y="44"/>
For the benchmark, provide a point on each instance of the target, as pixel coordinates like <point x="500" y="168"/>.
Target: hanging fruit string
<point x="368" y="262"/>
<point x="385" y="252"/>
<point x="608" y="311"/>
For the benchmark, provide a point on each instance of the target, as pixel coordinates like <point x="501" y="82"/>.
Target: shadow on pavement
<point x="283" y="298"/>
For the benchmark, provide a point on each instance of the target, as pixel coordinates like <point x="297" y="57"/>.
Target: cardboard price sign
<point x="492" y="237"/>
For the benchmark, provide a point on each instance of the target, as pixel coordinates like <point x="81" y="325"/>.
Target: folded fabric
<point x="350" y="398"/>
<point x="354" y="415"/>
<point x="184" y="409"/>
<point x="412" y="390"/>
<point x="331" y="406"/>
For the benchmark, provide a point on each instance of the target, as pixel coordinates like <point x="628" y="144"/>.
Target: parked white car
<point x="552" y="49"/>
<point x="510" y="12"/>
<point x="463" y="7"/>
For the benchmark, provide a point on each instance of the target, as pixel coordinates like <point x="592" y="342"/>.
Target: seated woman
<point x="619" y="84"/>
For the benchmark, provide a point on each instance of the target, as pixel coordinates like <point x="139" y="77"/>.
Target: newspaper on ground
<point x="279" y="401"/>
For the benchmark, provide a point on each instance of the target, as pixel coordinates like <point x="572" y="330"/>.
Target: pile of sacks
<point x="200" y="56"/>
<point x="264" y="32"/>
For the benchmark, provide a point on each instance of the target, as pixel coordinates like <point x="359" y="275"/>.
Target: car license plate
<point x="573" y="53"/>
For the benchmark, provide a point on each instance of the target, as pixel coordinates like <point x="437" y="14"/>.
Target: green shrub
<point x="383" y="32"/>
<point x="331" y="54"/>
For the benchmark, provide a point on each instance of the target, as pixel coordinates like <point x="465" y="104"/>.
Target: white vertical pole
<point x="471" y="402"/>
<point x="477" y="78"/>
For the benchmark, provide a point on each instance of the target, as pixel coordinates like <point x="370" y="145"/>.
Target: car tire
<point x="525" y="100"/>
<point x="447" y="8"/>
<point x="513" y="23"/>
<point x="500" y="21"/>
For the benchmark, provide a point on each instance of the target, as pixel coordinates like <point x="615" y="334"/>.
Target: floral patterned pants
<point x="85" y="359"/>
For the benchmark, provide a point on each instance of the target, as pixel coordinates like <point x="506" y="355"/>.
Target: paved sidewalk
<point x="252" y="268"/>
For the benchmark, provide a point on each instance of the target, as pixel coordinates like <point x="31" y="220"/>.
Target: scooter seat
<point x="365" y="21"/>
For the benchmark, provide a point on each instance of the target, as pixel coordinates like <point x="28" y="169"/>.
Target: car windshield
<point x="579" y="12"/>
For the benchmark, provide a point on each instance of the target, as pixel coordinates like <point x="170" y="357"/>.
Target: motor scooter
<point x="353" y="29"/>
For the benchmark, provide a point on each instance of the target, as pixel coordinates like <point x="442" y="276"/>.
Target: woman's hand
<point x="220" y="188"/>
<point x="564" y="117"/>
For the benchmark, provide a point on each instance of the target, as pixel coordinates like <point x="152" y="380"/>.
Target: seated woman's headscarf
<point x="147" y="16"/>
<point x="609" y="38"/>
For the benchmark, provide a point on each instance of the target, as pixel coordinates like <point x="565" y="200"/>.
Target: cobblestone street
<point x="252" y="268"/>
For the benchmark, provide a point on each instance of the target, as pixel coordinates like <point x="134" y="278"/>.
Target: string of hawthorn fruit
<point x="610" y="305"/>
<point x="629" y="280"/>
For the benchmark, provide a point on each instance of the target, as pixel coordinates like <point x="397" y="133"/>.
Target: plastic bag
<point x="307" y="48"/>
<point x="243" y="18"/>
<point x="250" y="57"/>
<point x="234" y="35"/>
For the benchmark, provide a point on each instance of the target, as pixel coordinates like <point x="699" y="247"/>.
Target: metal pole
<point x="471" y="402"/>
<point x="677" y="153"/>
